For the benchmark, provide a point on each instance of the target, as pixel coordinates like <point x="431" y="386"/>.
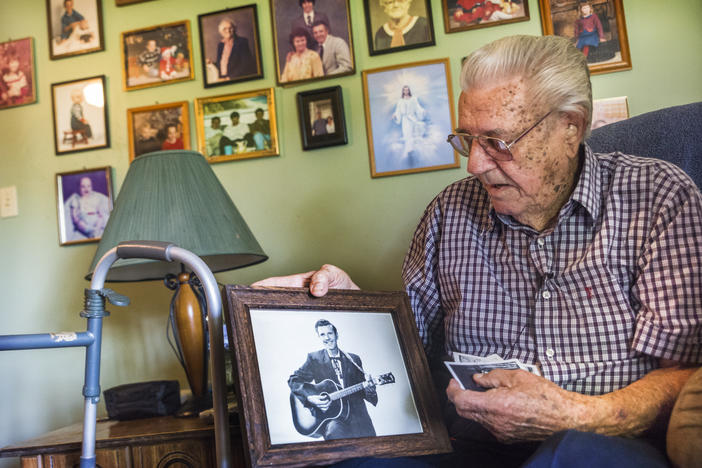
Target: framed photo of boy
<point x="367" y="340"/>
<point x="158" y="127"/>
<point x="157" y="55"/>
<point x="84" y="203"/>
<point x="229" y="45"/>
<point x="312" y="40"/>
<point x="597" y="28"/>
<point x="409" y="112"/>
<point x="463" y="15"/>
<point x="80" y="115"/>
<point x="322" y="120"/>
<point x="17" y="81"/>
<point x="397" y="25"/>
<point x="75" y="27"/>
<point x="237" y="126"/>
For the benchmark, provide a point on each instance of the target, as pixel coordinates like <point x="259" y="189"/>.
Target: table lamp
<point x="174" y="196"/>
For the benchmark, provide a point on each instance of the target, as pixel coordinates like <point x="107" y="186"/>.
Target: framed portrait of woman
<point x="229" y="45"/>
<point x="397" y="25"/>
<point x="313" y="40"/>
<point x="409" y="112"/>
<point x="75" y="27"/>
<point x="596" y="27"/>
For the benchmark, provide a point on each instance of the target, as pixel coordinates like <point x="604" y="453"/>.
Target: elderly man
<point x="587" y="265"/>
<point x="334" y="51"/>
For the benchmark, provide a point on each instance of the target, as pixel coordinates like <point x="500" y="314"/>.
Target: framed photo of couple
<point x="322" y="121"/>
<point x="312" y="40"/>
<point x="329" y="346"/>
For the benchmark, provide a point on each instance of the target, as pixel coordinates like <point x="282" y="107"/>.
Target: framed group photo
<point x="80" y="115"/>
<point x="158" y="127"/>
<point x="331" y="344"/>
<point x="84" y="204"/>
<point x="463" y="15"/>
<point x="75" y="27"/>
<point x="157" y="55"/>
<point x="409" y="112"/>
<point x="237" y="126"/>
<point x="17" y="77"/>
<point x="312" y="40"/>
<point x="231" y="51"/>
<point x="322" y="122"/>
<point x="397" y="25"/>
<point x="596" y="27"/>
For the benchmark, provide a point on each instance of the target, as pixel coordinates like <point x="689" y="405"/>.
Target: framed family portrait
<point x="231" y="51"/>
<point x="84" y="203"/>
<point x="463" y="15"/>
<point x="157" y="55"/>
<point x="397" y="25"/>
<point x="237" y="126"/>
<point x="301" y="406"/>
<point x="596" y="27"/>
<point x="17" y="78"/>
<point x="75" y="27"/>
<point x="322" y="120"/>
<point x="409" y="112"/>
<point x="312" y="40"/>
<point x="80" y="115"/>
<point x="158" y="127"/>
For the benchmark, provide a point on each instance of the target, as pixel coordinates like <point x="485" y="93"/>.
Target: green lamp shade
<point x="174" y="196"/>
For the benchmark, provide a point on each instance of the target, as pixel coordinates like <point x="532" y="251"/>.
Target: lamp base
<point x="193" y="405"/>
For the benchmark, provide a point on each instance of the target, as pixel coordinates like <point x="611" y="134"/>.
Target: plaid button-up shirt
<point x="595" y="301"/>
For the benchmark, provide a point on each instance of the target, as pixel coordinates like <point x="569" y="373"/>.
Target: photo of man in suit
<point x="307" y="18"/>
<point x="331" y="364"/>
<point x="333" y="50"/>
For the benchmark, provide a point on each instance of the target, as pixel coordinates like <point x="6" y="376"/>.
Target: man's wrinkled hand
<point x="319" y="281"/>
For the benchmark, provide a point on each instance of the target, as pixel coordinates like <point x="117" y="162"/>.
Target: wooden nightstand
<point x="140" y="443"/>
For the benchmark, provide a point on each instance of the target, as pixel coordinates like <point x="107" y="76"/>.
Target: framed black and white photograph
<point x="84" y="203"/>
<point x="75" y="27"/>
<point x="229" y="45"/>
<point x="322" y="122"/>
<point x="351" y="367"/>
<point x="397" y="25"/>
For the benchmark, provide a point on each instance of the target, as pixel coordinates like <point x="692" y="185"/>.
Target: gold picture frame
<point x="158" y="127"/>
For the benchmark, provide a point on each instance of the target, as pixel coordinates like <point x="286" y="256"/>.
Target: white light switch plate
<point x="8" y="202"/>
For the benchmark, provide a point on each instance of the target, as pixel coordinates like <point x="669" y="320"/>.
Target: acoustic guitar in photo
<point x="310" y="421"/>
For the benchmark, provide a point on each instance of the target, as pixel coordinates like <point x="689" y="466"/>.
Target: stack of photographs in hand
<point x="464" y="366"/>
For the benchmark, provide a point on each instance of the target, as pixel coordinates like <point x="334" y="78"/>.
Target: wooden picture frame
<point x="244" y="61"/>
<point x="414" y="18"/>
<point x="295" y="66"/>
<point x="76" y="32"/>
<point x="157" y="55"/>
<point x="18" y="85"/>
<point x="407" y="133"/>
<point x="321" y="114"/>
<point x="564" y="18"/>
<point x="462" y="15"/>
<point x="405" y="420"/>
<point x="120" y="3"/>
<point x="80" y="115"/>
<point x="158" y="127"/>
<point x="84" y="202"/>
<point x="218" y="139"/>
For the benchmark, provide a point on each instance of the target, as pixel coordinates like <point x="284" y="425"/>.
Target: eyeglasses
<point x="496" y="148"/>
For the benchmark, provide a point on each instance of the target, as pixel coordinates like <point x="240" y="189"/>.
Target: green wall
<point x="306" y="208"/>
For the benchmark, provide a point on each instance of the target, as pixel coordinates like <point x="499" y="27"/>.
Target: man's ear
<point x="575" y="129"/>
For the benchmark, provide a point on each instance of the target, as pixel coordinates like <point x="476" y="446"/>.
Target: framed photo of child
<point x="75" y="27"/>
<point x="464" y="15"/>
<point x="158" y="127"/>
<point x="157" y="55"/>
<point x="237" y="126"/>
<point x="596" y="27"/>
<point x="229" y="46"/>
<point x="17" y="82"/>
<point x="80" y="115"/>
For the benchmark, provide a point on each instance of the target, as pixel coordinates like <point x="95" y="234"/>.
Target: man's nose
<point x="479" y="161"/>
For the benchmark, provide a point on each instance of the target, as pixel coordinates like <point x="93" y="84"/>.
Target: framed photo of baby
<point x="75" y="27"/>
<point x="397" y="25"/>
<point x="17" y="82"/>
<point x="157" y="55"/>
<point x="80" y="115"/>
<point x="463" y="15"/>
<point x="312" y="39"/>
<point x="84" y="203"/>
<point x="159" y="127"/>
<point x="596" y="27"/>
<point x="231" y="51"/>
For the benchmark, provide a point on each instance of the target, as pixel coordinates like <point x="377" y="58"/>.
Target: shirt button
<point x="546" y="294"/>
<point x="540" y="241"/>
<point x="550" y="352"/>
